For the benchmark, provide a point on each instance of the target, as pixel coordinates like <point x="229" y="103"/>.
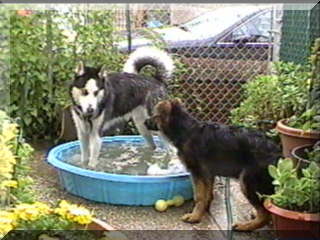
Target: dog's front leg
<point x="83" y="137"/>
<point x="202" y="197"/>
<point x="95" y="143"/>
<point x="84" y="147"/>
<point x="139" y="116"/>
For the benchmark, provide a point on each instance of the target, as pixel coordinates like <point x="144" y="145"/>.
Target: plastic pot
<point x="294" y="225"/>
<point x="293" y="137"/>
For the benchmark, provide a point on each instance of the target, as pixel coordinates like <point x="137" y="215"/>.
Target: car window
<point x="214" y="22"/>
<point x="255" y="30"/>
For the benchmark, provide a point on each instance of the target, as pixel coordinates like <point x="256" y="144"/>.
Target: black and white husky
<point x="102" y="99"/>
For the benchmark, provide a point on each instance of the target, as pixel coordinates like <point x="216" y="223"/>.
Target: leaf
<point x="314" y="170"/>
<point x="285" y="165"/>
<point x="306" y="173"/>
<point x="273" y="172"/>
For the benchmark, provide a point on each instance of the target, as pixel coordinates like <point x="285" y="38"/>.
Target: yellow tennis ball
<point x="161" y="205"/>
<point x="178" y="200"/>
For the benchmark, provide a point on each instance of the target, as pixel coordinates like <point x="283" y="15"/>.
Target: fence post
<point x="128" y="26"/>
<point x="49" y="52"/>
<point x="277" y="23"/>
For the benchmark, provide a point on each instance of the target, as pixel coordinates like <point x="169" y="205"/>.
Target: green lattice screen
<point x="299" y="30"/>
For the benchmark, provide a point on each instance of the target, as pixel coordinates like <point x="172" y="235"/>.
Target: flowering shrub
<point x="12" y="151"/>
<point x="73" y="213"/>
<point x="18" y="206"/>
<point x="8" y="133"/>
<point x="40" y="216"/>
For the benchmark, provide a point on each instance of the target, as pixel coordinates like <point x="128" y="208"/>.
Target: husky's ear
<point x="103" y="72"/>
<point x="79" y="69"/>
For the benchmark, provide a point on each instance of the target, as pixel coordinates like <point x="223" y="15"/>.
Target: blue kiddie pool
<point x="120" y="189"/>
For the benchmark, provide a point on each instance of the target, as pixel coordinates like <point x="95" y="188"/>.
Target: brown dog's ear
<point x="79" y="69"/>
<point x="176" y="101"/>
<point x="164" y="107"/>
<point x="103" y="72"/>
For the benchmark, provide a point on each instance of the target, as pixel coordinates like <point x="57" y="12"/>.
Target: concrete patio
<point x="48" y="189"/>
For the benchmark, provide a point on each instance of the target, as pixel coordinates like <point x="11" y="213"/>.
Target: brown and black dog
<point x="211" y="149"/>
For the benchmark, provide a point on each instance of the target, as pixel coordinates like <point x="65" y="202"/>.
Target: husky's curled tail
<point x="150" y="56"/>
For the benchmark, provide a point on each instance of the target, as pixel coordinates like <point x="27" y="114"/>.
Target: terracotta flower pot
<point x="293" y="137"/>
<point x="294" y="225"/>
<point x="24" y="12"/>
<point x="105" y="231"/>
<point x="300" y="156"/>
<point x="100" y="225"/>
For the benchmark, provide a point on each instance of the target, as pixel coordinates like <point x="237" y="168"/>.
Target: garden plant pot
<point x="104" y="230"/>
<point x="294" y="225"/>
<point x="99" y="225"/>
<point x="299" y="155"/>
<point x="293" y="137"/>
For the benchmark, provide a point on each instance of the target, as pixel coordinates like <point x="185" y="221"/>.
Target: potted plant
<point x="295" y="204"/>
<point x="270" y="98"/>
<point x="303" y="128"/>
<point x="306" y="153"/>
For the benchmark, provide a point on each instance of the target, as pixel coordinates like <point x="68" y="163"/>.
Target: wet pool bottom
<point x="126" y="158"/>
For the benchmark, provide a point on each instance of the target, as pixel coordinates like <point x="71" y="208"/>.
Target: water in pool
<point x="132" y="159"/>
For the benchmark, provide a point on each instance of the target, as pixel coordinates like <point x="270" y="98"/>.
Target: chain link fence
<point x="218" y="48"/>
<point x="301" y="27"/>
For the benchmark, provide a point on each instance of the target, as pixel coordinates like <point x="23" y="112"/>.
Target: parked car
<point x="217" y="34"/>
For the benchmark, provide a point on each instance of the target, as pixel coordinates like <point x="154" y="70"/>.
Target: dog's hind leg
<point x="203" y="197"/>
<point x="251" y="183"/>
<point x="139" y="116"/>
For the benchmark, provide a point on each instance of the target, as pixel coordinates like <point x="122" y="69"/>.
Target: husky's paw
<point x="84" y="160"/>
<point x="92" y="165"/>
<point x="152" y="147"/>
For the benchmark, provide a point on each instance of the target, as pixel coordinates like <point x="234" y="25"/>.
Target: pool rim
<point x="51" y="159"/>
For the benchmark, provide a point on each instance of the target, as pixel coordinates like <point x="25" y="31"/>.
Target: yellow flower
<point x="80" y="215"/>
<point x="32" y="211"/>
<point x="7" y="222"/>
<point x="9" y="183"/>
<point x="74" y="213"/>
<point x="7" y="217"/>
<point x="7" y="161"/>
<point x="42" y="207"/>
<point x="9" y="131"/>
<point x="4" y="229"/>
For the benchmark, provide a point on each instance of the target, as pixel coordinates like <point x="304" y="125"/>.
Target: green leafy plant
<point x="45" y="48"/>
<point x="296" y="189"/>
<point x="310" y="119"/>
<point x="314" y="153"/>
<point x="269" y="98"/>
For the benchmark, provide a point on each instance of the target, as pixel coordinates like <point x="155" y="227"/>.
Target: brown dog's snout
<point x="151" y="124"/>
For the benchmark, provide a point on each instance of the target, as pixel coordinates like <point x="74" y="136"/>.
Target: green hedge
<point x="45" y="47"/>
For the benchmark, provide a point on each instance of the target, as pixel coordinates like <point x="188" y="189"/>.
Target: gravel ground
<point x="143" y="218"/>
